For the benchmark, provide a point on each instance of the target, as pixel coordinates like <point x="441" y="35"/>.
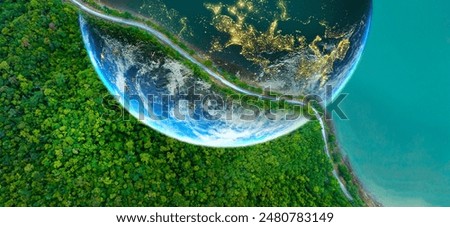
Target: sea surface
<point x="397" y="137"/>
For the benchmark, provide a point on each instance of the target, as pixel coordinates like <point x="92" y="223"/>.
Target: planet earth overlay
<point x="267" y="50"/>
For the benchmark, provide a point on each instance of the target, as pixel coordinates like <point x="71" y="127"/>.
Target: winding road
<point x="164" y="39"/>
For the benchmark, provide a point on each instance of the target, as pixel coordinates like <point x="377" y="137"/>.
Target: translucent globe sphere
<point x="229" y="73"/>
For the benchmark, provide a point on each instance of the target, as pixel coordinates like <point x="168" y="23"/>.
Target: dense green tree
<point x="60" y="146"/>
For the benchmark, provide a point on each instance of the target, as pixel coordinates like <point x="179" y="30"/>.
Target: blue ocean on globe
<point x="168" y="95"/>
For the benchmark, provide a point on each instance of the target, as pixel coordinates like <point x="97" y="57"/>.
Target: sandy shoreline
<point x="363" y="194"/>
<point x="368" y="199"/>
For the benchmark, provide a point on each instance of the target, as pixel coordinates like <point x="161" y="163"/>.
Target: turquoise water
<point x="398" y="133"/>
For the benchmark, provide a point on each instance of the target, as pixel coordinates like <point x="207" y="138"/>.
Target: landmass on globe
<point x="218" y="82"/>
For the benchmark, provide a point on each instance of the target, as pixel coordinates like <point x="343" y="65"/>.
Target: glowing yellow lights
<point x="254" y="42"/>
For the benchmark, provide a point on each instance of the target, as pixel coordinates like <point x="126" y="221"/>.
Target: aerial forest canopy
<point x="61" y="146"/>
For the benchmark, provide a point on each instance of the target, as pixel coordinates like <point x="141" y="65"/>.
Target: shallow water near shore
<point x="397" y="137"/>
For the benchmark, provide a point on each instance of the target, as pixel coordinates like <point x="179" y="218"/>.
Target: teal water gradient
<point x="397" y="137"/>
